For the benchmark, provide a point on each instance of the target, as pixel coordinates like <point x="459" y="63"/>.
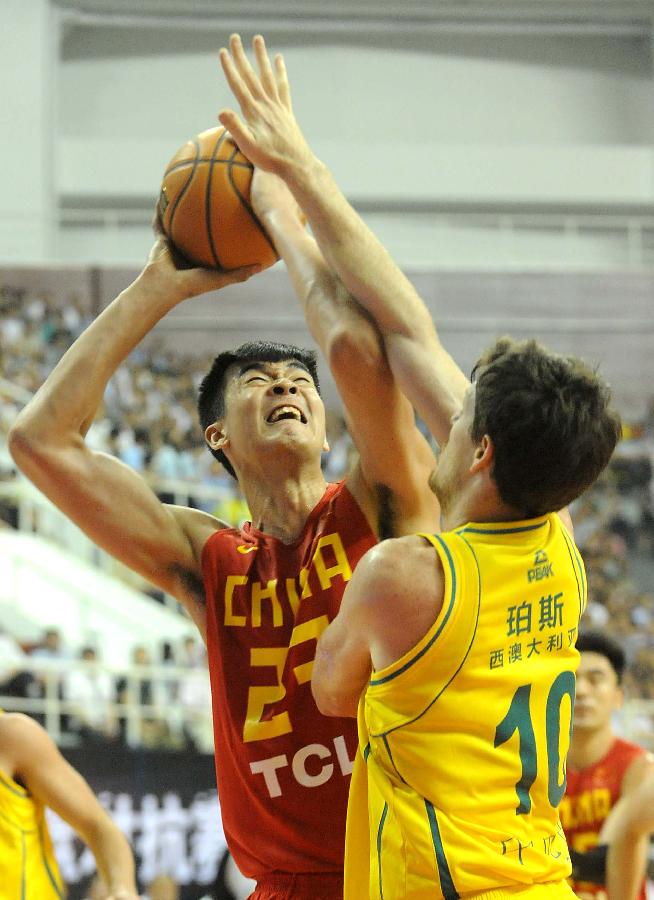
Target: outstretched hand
<point x="270" y="136"/>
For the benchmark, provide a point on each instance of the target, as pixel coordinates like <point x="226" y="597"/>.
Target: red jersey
<point x="590" y="795"/>
<point x="282" y="768"/>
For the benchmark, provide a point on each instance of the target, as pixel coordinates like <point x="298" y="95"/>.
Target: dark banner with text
<point x="165" y="804"/>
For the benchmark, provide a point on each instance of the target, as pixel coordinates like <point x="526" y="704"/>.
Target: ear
<point x="483" y="456"/>
<point x="216" y="436"/>
<point x="619" y="698"/>
<point x="325" y="446"/>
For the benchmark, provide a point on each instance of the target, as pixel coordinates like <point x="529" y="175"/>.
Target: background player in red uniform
<point x="262" y="595"/>
<point x="627" y="832"/>
<point x="602" y="769"/>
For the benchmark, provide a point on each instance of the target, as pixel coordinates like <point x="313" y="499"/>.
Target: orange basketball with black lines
<point x="205" y="207"/>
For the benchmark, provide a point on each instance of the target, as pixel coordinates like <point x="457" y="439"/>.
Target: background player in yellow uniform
<point x="466" y="721"/>
<point x="33" y="775"/>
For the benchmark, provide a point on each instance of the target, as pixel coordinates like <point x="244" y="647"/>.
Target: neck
<point x="478" y="503"/>
<point x="281" y="505"/>
<point x="588" y="746"/>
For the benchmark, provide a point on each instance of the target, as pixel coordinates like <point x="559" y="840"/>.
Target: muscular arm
<point x="627" y="832"/>
<point x="392" y="451"/>
<point x="365" y="633"/>
<point x="34" y="760"/>
<point x="106" y="498"/>
<point x="271" y="138"/>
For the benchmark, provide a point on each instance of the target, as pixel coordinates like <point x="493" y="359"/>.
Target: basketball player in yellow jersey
<point x="33" y="775"/>
<point x="463" y="646"/>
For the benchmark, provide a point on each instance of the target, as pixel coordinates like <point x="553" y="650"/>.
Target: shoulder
<point x="566" y="520"/>
<point x="196" y="524"/>
<point x="638" y="769"/>
<point x="400" y="567"/>
<point x="15" y="726"/>
<point x="20" y="733"/>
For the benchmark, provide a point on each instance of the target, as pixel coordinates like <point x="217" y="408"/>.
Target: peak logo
<point x="542" y="567"/>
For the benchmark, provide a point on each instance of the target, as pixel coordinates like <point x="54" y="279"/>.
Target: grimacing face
<point x="269" y="406"/>
<point x="598" y="693"/>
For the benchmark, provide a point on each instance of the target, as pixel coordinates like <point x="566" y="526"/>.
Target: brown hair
<point x="550" y="421"/>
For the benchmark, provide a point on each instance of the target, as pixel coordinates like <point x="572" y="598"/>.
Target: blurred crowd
<point x="149" y="421"/>
<point x="157" y="703"/>
<point x="149" y="418"/>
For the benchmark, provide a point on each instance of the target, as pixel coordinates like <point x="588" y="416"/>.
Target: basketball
<point x="205" y="207"/>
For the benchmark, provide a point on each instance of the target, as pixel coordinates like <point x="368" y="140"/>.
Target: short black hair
<point x="550" y="420"/>
<point x="211" y="395"/>
<point x="600" y="643"/>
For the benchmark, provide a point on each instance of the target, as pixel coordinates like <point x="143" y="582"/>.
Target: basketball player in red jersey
<point x="262" y="595"/>
<point x="602" y="769"/>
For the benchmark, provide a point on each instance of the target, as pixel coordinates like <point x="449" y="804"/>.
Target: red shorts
<point x="301" y="886"/>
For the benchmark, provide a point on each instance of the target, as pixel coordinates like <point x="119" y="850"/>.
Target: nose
<point x="284" y="387"/>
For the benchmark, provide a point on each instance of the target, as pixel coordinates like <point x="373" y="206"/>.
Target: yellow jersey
<point x="462" y="741"/>
<point x="28" y="869"/>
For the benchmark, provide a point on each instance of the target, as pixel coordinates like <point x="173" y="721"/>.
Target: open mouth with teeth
<point x="286" y="412"/>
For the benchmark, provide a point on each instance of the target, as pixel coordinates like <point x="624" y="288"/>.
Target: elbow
<point x="330" y="703"/>
<point x="22" y="440"/>
<point x="356" y="341"/>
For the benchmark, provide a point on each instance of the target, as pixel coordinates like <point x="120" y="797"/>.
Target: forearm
<point x="423" y="369"/>
<point x="353" y="251"/>
<point x="625" y="865"/>
<point x="325" y="302"/>
<point x="113" y="857"/>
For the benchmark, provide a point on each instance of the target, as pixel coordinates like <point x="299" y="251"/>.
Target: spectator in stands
<point x="15" y="680"/>
<point x="90" y="693"/>
<point x="48" y="680"/>
<point x="138" y="688"/>
<point x="49" y="647"/>
<point x="192" y="653"/>
<point x="195" y="699"/>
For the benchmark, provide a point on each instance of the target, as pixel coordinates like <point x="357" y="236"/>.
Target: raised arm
<point x="271" y="138"/>
<point x="37" y="763"/>
<point x="393" y="454"/>
<point x="104" y="497"/>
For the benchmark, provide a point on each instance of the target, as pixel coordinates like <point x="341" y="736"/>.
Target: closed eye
<point x="256" y="378"/>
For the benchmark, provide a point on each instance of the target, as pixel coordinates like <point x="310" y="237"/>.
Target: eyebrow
<point x="261" y="364"/>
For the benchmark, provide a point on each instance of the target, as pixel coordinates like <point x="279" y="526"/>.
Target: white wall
<point x="26" y="130"/>
<point x="526" y="121"/>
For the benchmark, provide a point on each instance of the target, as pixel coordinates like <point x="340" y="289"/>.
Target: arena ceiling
<point x="610" y="17"/>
